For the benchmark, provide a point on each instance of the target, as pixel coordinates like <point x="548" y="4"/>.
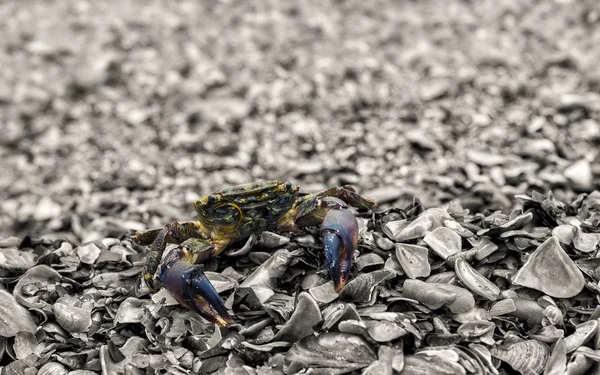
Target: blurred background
<point x="116" y="115"/>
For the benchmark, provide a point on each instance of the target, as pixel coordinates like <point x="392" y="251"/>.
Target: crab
<point x="235" y="213"/>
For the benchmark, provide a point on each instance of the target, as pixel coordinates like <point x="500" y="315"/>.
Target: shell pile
<point x="435" y="291"/>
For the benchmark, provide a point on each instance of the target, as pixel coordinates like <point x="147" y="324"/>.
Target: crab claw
<point x="191" y="288"/>
<point x="339" y="232"/>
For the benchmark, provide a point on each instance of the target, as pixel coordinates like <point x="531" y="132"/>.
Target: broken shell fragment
<point x="436" y="295"/>
<point x="550" y="270"/>
<point x="583" y="333"/>
<point x="444" y="242"/>
<point x="428" y="220"/>
<point x="71" y="316"/>
<point x="414" y="260"/>
<point x="324" y="293"/>
<point x="369" y="261"/>
<point x="14" y="317"/>
<point x="25" y="344"/>
<point x="384" y="331"/>
<point x="272" y="240"/>
<point x="474" y="281"/>
<point x="422" y="364"/>
<point x="53" y="368"/>
<point x="334" y="314"/>
<point x="88" y="253"/>
<point x="34" y="287"/>
<point x="427" y="294"/>
<point x="564" y="233"/>
<point x="306" y="315"/>
<point x="477" y="330"/>
<point x="335" y="351"/>
<point x="525" y="356"/>
<point x="361" y="288"/>
<point x="131" y="311"/>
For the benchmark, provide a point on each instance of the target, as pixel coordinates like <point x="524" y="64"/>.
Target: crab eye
<point x="288" y="185"/>
<point x="212" y="199"/>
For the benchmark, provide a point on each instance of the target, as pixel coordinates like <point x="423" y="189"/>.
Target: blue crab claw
<point x="190" y="287"/>
<point x="339" y="232"/>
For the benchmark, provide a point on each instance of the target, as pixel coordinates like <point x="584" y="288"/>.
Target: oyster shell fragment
<point x="550" y="270"/>
<point x="335" y="351"/>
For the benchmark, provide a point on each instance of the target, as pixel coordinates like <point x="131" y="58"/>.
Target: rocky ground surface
<point x="115" y="116"/>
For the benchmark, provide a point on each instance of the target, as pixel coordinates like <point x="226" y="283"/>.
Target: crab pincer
<point x="339" y="233"/>
<point x="191" y="288"/>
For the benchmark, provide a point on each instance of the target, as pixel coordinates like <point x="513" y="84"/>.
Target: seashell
<point x="414" y="260"/>
<point x="335" y="314"/>
<point x="369" y="261"/>
<point x="384" y="331"/>
<point x="88" y="253"/>
<point x="468" y="316"/>
<point x="444" y="242"/>
<point x="448" y="277"/>
<point x="428" y="220"/>
<point x="505" y="306"/>
<point x="579" y="364"/>
<point x="25" y="344"/>
<point x="71" y="316"/>
<point x="564" y="233"/>
<point x="484" y="355"/>
<point x="556" y="364"/>
<point x="131" y="310"/>
<point x="53" y="368"/>
<point x="474" y="281"/>
<point x="38" y="282"/>
<point x="306" y="315"/>
<point x="550" y="270"/>
<point x="459" y="229"/>
<point x="528" y="311"/>
<point x="267" y="347"/>
<point x="258" y="257"/>
<point x="393" y="228"/>
<point x="14" y="317"/>
<point x="15" y="259"/>
<point x="164" y="297"/>
<point x="516" y="223"/>
<point x="583" y="333"/>
<point x="479" y="330"/>
<point x="9" y="242"/>
<point x="332" y="350"/>
<point x="485" y="247"/>
<point x="272" y="240"/>
<point x="427" y="293"/>
<point x="355" y="327"/>
<point x="393" y="265"/>
<point x="436" y="295"/>
<point x="361" y="288"/>
<point x="585" y="242"/>
<point x="524" y="356"/>
<point x="324" y="293"/>
<point x="267" y="274"/>
<point x="547" y="334"/>
<point x="244" y="250"/>
<point x="422" y="364"/>
<point x="552" y="315"/>
<point x="389" y="360"/>
<point x="221" y="282"/>
<point x="382" y="242"/>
